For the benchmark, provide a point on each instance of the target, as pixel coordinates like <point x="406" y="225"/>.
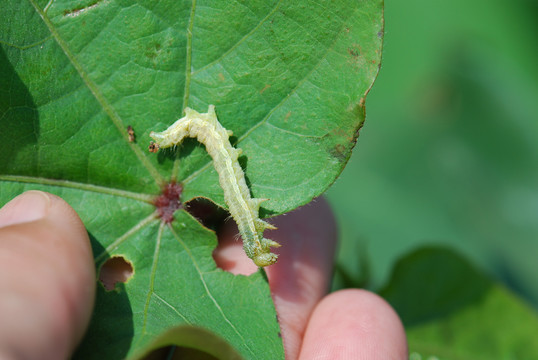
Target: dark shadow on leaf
<point x="187" y="147"/>
<point x="111" y="330"/>
<point x="168" y="154"/>
<point x="233" y="140"/>
<point x="243" y="162"/>
<point x="19" y="121"/>
<point x="182" y="150"/>
<point x="433" y="282"/>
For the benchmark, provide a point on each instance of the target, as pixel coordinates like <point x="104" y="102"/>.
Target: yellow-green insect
<point x="244" y="210"/>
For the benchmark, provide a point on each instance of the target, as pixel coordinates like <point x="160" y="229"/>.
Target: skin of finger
<point x="301" y="276"/>
<point x="354" y="324"/>
<point x="47" y="284"/>
<point x="25" y="208"/>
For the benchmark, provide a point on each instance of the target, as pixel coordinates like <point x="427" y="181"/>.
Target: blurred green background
<point x="449" y="151"/>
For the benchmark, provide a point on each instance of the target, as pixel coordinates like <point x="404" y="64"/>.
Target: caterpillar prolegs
<point x="244" y="210"/>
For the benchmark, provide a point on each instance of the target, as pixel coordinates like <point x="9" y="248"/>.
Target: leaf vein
<point x="152" y="279"/>
<point x="243" y="39"/>
<point x="26" y="47"/>
<point x="116" y="243"/>
<point x="173" y="308"/>
<point x="79" y="186"/>
<point x="188" y="59"/>
<point x="107" y="107"/>
<point x="201" y="274"/>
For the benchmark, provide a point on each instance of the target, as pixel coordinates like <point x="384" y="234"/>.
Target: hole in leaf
<point x="229" y="254"/>
<point x="168" y="202"/>
<point x="114" y="270"/>
<point x="206" y="212"/>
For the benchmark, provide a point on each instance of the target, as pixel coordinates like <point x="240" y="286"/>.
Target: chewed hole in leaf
<point x="115" y="270"/>
<point x="168" y="201"/>
<point x="207" y="213"/>
<point x="228" y="255"/>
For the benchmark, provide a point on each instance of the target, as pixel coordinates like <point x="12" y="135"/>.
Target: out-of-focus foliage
<point x="452" y="311"/>
<point x="449" y="151"/>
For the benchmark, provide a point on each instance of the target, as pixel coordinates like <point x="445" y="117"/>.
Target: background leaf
<point x="452" y="311"/>
<point x="450" y="147"/>
<point x="289" y="78"/>
<point x="448" y="158"/>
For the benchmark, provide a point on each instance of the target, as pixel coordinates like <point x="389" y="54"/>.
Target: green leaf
<point x="289" y="78"/>
<point x="452" y="311"/>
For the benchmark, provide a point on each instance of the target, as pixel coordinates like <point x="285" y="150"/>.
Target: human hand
<point x="45" y="316"/>
<point x="347" y="324"/>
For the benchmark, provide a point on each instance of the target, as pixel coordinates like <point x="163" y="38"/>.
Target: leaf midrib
<point x="188" y="58"/>
<point x="107" y="108"/>
<point x="147" y="198"/>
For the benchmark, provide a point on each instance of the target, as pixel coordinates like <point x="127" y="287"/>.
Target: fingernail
<point x="30" y="206"/>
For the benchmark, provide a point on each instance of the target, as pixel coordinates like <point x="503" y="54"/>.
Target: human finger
<point x="354" y="324"/>
<point x="47" y="278"/>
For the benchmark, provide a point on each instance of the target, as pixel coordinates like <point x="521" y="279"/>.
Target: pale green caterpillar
<point x="244" y="209"/>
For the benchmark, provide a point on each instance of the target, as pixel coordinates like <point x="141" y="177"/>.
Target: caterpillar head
<point x="265" y="259"/>
<point x="263" y="256"/>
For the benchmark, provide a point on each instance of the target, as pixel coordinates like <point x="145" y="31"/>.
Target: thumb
<point x="47" y="278"/>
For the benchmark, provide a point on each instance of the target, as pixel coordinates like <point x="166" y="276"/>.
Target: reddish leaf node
<point x="168" y="202"/>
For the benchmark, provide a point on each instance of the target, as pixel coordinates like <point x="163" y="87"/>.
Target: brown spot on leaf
<point x="80" y="9"/>
<point x="153" y="50"/>
<point x="356" y="58"/>
<point x="131" y="133"/>
<point x="267" y="86"/>
<point x="287" y="116"/>
<point x="339" y="152"/>
<point x="353" y="52"/>
<point x="153" y="147"/>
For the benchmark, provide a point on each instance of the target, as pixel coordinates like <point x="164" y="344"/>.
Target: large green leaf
<point x="287" y="77"/>
<point x="452" y="311"/>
